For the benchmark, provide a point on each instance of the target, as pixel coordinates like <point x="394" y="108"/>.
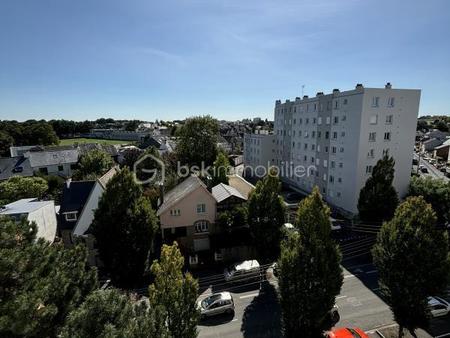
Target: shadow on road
<point x="217" y="320"/>
<point x="262" y="318"/>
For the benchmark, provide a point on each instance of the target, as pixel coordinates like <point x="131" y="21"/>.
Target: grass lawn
<point x="70" y="141"/>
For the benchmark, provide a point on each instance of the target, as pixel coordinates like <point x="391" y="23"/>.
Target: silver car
<point x="438" y="307"/>
<point x="216" y="304"/>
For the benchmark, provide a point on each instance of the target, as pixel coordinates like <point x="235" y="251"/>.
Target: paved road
<point x="432" y="170"/>
<point x="257" y="312"/>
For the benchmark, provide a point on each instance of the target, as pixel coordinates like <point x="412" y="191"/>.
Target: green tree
<point x="378" y="198"/>
<point x="198" y="141"/>
<point x="175" y="292"/>
<point x="310" y="272"/>
<point x="110" y="313"/>
<point x="6" y="141"/>
<point x="413" y="262"/>
<point x="124" y="227"/>
<point x="94" y="164"/>
<point x="220" y="169"/>
<point x="18" y="187"/>
<point x="41" y="282"/>
<point x="266" y="216"/>
<point x="435" y="192"/>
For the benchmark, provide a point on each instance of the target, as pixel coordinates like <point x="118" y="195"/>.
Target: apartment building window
<point x="312" y="159"/>
<point x="343" y="134"/>
<point x="293" y="144"/>
<point x="295" y="110"/>
<point x="336" y="104"/>
<point x="313" y="147"/>
<point x="326" y="149"/>
<point x="307" y="107"/>
<point x="386" y="152"/>
<point x="295" y="120"/>
<point x="328" y="120"/>
<point x="314" y="120"/>
<point x="371" y="153"/>
<point x="293" y="133"/>
<point x="313" y="135"/>
<point x="389" y="119"/>
<point x="335" y="134"/>
<point x="375" y="101"/>
<point x="319" y="134"/>
<point x="331" y="179"/>
<point x="374" y="119"/>
<point x="300" y="121"/>
<point x="306" y="146"/>
<point x="333" y="150"/>
<point x="341" y="165"/>
<point x="201" y="208"/>
<point x="299" y="133"/>
<point x="328" y="105"/>
<point x="317" y="161"/>
<point x="319" y="121"/>
<point x="345" y="101"/>
<point x="307" y="121"/>
<point x="372" y="137"/>
<point x="315" y="106"/>
<point x="341" y="149"/>
<point x="327" y="135"/>
<point x="325" y="163"/>
<point x="391" y="102"/>
<point x="324" y="177"/>
<point x="60" y="168"/>
<point x="305" y="158"/>
<point x="332" y="164"/>
<point x="336" y="120"/>
<point x="318" y="148"/>
<point x="387" y="136"/>
<point x="201" y="226"/>
<point x="339" y="179"/>
<point x="368" y="169"/>
<point x="343" y="118"/>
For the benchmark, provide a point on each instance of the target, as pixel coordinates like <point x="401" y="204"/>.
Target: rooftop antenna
<point x="303" y="90"/>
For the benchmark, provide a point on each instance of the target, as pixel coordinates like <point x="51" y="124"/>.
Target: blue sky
<point x="169" y="59"/>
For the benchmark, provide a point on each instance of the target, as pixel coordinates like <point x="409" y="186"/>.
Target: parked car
<point x="438" y="307"/>
<point x="424" y="170"/>
<point x="293" y="197"/>
<point x="246" y="271"/>
<point x="415" y="161"/>
<point x="346" y="333"/>
<point x="216" y="304"/>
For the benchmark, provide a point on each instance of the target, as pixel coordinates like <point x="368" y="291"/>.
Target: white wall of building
<point x="331" y="132"/>
<point x="46" y="222"/>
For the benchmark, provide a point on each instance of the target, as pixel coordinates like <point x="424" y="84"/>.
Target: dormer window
<point x="71" y="216"/>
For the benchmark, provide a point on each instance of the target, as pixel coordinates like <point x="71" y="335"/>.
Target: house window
<point x="327" y="135"/>
<point x="391" y="102"/>
<point x="374" y="119"/>
<point x="319" y="121"/>
<point x="371" y="153"/>
<point x="333" y="150"/>
<point x="389" y="119"/>
<point x="201" y="208"/>
<point x="368" y="169"/>
<point x="336" y="120"/>
<point x="375" y="101"/>
<point x="386" y="152"/>
<point x="387" y="136"/>
<point x="336" y="104"/>
<point x="328" y="120"/>
<point x="335" y="134"/>
<point x="331" y="179"/>
<point x="332" y="164"/>
<point x="71" y="216"/>
<point x="201" y="227"/>
<point x="372" y="137"/>
<point x="325" y="163"/>
<point x="60" y="168"/>
<point x="175" y="212"/>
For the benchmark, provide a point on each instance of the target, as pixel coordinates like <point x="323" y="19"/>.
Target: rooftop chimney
<point x="305" y="97"/>
<point x="319" y="94"/>
<point x="335" y="90"/>
<point x="359" y="86"/>
<point x="388" y="85"/>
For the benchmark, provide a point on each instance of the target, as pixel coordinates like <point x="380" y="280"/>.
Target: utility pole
<point x="303" y="90"/>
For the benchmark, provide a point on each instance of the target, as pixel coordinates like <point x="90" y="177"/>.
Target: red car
<point x="347" y="333"/>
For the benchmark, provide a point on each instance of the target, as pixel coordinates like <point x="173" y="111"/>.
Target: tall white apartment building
<point x="259" y="151"/>
<point x="339" y="137"/>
